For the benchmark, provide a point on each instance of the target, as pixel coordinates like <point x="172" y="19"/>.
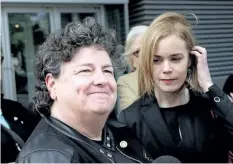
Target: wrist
<point x="207" y="86"/>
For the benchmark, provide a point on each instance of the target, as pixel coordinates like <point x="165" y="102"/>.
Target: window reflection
<point x="27" y="32"/>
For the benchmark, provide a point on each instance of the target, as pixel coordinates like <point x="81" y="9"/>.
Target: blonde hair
<point x="132" y="35"/>
<point x="163" y="26"/>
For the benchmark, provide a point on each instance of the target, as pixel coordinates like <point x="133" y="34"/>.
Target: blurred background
<point x="25" y="24"/>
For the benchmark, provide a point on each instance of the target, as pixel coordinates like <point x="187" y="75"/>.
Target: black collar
<point x="147" y="100"/>
<point x="108" y="138"/>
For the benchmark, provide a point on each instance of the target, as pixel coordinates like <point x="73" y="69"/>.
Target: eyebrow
<point x="107" y="66"/>
<point x="91" y="65"/>
<point x="176" y="54"/>
<point x="170" y="55"/>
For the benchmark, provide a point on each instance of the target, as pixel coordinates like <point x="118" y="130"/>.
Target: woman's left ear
<point x="50" y="84"/>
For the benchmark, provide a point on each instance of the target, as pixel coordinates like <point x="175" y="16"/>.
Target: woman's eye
<point x="157" y="60"/>
<point x="176" y="59"/>
<point x="85" y="70"/>
<point x="108" y="71"/>
<point x="136" y="53"/>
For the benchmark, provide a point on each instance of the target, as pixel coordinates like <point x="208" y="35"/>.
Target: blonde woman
<point x="180" y="111"/>
<point x="128" y="84"/>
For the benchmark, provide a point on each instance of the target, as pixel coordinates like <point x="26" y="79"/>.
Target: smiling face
<point x="86" y="83"/>
<point x="171" y="61"/>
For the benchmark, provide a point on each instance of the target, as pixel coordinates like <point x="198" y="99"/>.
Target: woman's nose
<point x="100" y="78"/>
<point x="167" y="67"/>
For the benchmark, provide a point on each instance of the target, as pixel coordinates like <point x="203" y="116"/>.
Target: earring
<point x="189" y="74"/>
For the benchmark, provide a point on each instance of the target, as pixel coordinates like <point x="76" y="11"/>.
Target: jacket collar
<point x="155" y="122"/>
<point x="158" y="127"/>
<point x="108" y="139"/>
<point x="115" y="123"/>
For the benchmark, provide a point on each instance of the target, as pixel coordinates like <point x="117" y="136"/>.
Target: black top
<point x="171" y="116"/>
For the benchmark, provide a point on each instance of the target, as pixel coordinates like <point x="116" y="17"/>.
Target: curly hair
<point x="60" y="47"/>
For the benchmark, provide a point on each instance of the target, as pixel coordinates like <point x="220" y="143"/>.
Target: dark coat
<point x="21" y="121"/>
<point x="203" y="138"/>
<point x="54" y="142"/>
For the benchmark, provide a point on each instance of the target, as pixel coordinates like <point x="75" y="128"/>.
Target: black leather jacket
<point x="54" y="142"/>
<point x="203" y="138"/>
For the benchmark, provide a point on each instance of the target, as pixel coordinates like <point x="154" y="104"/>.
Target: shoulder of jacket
<point x="46" y="147"/>
<point x="201" y="97"/>
<point x="45" y="156"/>
<point x="12" y="107"/>
<point x="134" y="107"/>
<point x="131" y="114"/>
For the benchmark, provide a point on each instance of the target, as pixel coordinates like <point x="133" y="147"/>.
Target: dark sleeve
<point x="228" y="86"/>
<point x="41" y="156"/>
<point x="222" y="106"/>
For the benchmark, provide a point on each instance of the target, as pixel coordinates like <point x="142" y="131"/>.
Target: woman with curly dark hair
<point x="75" y="93"/>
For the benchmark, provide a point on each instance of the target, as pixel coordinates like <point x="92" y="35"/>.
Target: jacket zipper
<point x="128" y="156"/>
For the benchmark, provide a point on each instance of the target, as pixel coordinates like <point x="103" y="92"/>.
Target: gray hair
<point x="132" y="35"/>
<point x="60" y="47"/>
<point x="135" y="31"/>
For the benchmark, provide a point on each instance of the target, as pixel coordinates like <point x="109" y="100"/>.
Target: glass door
<point x="26" y="31"/>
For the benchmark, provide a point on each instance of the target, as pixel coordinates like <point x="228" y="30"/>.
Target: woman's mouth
<point x="168" y="81"/>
